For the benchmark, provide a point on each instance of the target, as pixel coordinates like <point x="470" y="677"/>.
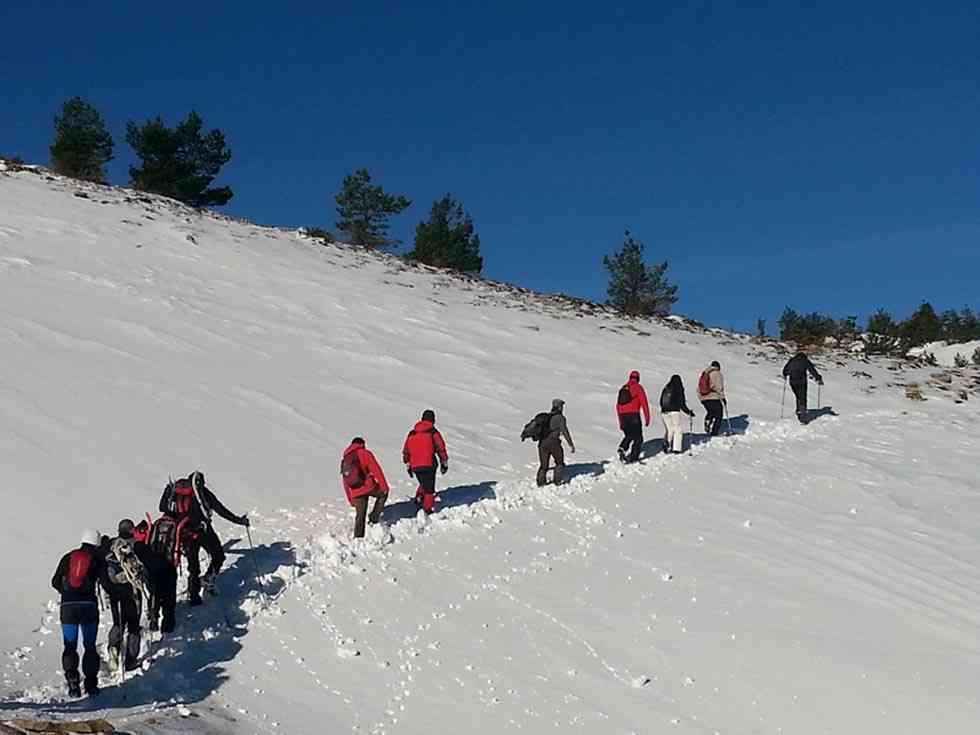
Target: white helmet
<point x="91" y="536"/>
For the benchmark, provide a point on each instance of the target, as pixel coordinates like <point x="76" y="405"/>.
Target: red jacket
<point x="374" y="476"/>
<point x="639" y="402"/>
<point x="422" y="445"/>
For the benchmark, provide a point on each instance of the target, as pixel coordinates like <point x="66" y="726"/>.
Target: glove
<point x="572" y="449"/>
<point x="411" y="473"/>
<point x="244" y="521"/>
<point x="819" y="381"/>
<point x="445" y="468"/>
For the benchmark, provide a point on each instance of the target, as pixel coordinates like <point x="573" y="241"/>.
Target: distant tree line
<point x="885" y="335"/>
<point x="183" y="161"/>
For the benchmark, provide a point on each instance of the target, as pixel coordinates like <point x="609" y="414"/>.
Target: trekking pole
<point x="782" y="401"/>
<point x="255" y="565"/>
<point x="819" y="402"/>
<point x="728" y="419"/>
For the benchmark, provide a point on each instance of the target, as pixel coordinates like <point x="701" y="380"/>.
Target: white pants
<point x="674" y="424"/>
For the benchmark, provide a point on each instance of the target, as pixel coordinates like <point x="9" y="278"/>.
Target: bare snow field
<point x="784" y="579"/>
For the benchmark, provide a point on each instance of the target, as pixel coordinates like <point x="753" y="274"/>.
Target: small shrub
<point x="318" y="233"/>
<point x="960" y="361"/>
<point x="976" y="356"/>
<point x="913" y="392"/>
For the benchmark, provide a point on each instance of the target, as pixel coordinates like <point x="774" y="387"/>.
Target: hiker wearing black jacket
<point x="550" y="446"/>
<point x="796" y="370"/>
<point x="673" y="404"/>
<point x="76" y="579"/>
<point x="161" y="579"/>
<point x="190" y="498"/>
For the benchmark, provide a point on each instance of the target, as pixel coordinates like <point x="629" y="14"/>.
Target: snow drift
<point x="783" y="579"/>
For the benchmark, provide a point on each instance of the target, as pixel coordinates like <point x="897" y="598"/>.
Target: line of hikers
<point x="143" y="560"/>
<point x="140" y="564"/>
<point x="425" y="448"/>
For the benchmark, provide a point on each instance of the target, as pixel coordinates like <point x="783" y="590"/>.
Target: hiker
<point x="126" y="587"/>
<point x="424" y="445"/>
<point x="631" y="401"/>
<point x="161" y="574"/>
<point x="796" y="370"/>
<point x="190" y="499"/>
<point x="76" y="579"/>
<point x="550" y="446"/>
<point x="711" y="391"/>
<point x="672" y="405"/>
<point x="363" y="478"/>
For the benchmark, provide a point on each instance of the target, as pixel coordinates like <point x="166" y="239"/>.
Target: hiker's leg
<point x="558" y="452"/>
<point x="212" y="544"/>
<point x="90" y="659"/>
<point x="360" y="515"/>
<point x="544" y="459"/>
<point x="379" y="505"/>
<point x="192" y="550"/>
<point x="427" y="481"/>
<point x="69" y="657"/>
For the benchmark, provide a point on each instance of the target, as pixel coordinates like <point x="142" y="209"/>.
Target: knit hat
<point x="429" y="415"/>
<point x="557" y="404"/>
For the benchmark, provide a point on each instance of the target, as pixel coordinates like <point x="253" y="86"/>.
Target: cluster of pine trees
<point x="182" y="163"/>
<point x="885" y="335"/>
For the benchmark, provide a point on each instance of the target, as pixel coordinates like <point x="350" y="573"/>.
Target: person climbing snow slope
<point x="673" y="405"/>
<point x="711" y="391"/>
<point x="424" y="450"/>
<point x="796" y="370"/>
<point x="363" y="478"/>
<point x="631" y="401"/>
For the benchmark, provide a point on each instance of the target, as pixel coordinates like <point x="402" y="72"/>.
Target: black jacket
<point x="96" y="575"/>
<point x="797" y="368"/>
<point x="672" y="399"/>
<point x="199" y="516"/>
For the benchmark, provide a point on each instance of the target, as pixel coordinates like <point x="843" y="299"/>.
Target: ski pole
<point x="782" y="401"/>
<point x="255" y="564"/>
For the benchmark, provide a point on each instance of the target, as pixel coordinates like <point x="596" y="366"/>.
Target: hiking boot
<point x="74" y="689"/>
<point x="195" y="600"/>
<point x="622" y="455"/>
<point x="91" y="688"/>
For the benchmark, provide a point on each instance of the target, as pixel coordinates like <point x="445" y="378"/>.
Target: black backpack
<point x="165" y="538"/>
<point x="537" y="428"/>
<point x="625" y="396"/>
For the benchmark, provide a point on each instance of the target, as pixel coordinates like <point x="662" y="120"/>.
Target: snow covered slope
<point x="788" y="579"/>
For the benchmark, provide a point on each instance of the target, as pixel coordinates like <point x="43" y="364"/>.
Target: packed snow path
<point x="789" y="579"/>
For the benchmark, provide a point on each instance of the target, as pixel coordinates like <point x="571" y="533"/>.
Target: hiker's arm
<point x="813" y="371"/>
<point x="374" y="469"/>
<point x="564" y="433"/>
<point x="644" y="405"/>
<point x="440" y="445"/>
<point x="218" y="507"/>
<point x="165" y="499"/>
<point x="59" y="573"/>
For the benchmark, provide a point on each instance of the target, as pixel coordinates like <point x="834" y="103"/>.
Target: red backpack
<point x="183" y="499"/>
<point x="353" y="472"/>
<point x="79" y="565"/>
<point x="704" y="384"/>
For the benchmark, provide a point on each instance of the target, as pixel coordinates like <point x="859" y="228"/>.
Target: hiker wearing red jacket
<point x="425" y="449"/>
<point x="363" y="478"/>
<point x="631" y="401"/>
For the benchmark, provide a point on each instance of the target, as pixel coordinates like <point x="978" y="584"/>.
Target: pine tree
<point x="82" y="144"/>
<point x="922" y="327"/>
<point x="636" y="288"/>
<point x="364" y="210"/>
<point x="181" y="162"/>
<point x="882" y="333"/>
<point x="760" y="327"/>
<point x="448" y="239"/>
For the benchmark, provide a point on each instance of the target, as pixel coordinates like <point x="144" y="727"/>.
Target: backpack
<point x="123" y="566"/>
<point x="352" y="471"/>
<point x="537" y="428"/>
<point x="625" y="396"/>
<point x="704" y="384"/>
<point x="165" y="536"/>
<point x="182" y="498"/>
<point x="79" y="565"/>
<point x="431" y="433"/>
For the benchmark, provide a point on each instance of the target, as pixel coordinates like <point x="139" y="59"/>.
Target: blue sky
<point x="821" y="155"/>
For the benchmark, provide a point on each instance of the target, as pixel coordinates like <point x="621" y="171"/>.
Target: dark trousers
<point x="125" y="635"/>
<point x="80" y="618"/>
<point x="715" y="415"/>
<point x="209" y="541"/>
<point x="799" y="390"/>
<point x="163" y="599"/>
<point x="426" y="494"/>
<point x="632" y="436"/>
<point x="361" y="514"/>
<point x="550" y="449"/>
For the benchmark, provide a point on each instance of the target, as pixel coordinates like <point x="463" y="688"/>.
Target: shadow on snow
<point x="451" y="497"/>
